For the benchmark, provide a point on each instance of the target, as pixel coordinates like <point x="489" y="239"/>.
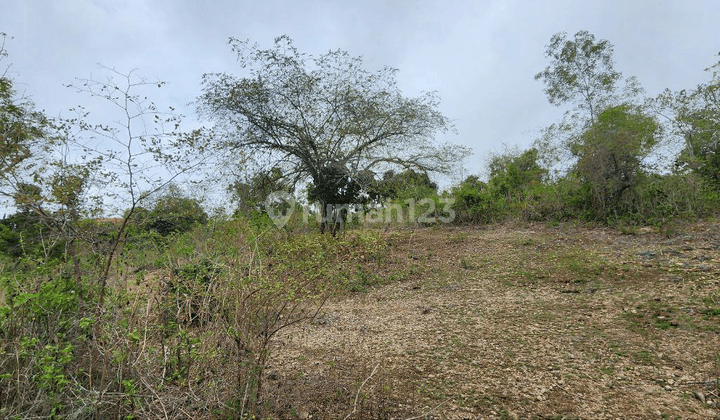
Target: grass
<point x="525" y="327"/>
<point x="644" y="357"/>
<point x="508" y="322"/>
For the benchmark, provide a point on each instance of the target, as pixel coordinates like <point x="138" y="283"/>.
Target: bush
<point x="22" y="234"/>
<point x="174" y="213"/>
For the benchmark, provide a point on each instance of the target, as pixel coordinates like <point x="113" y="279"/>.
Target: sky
<point x="480" y="56"/>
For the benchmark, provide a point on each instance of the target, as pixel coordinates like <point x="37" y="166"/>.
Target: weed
<point x="629" y="229"/>
<point x="644" y="357"/>
<point x="616" y="350"/>
<point x="459" y="238"/>
<point x="710" y="312"/>
<point x="608" y="370"/>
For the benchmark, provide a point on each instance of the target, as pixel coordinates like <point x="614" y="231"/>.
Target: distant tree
<point x="250" y="194"/>
<point x="324" y="118"/>
<point x="513" y="171"/>
<point x="470" y="199"/>
<point x="175" y="212"/>
<point x="581" y="71"/>
<point x="21" y="232"/>
<point x="406" y="184"/>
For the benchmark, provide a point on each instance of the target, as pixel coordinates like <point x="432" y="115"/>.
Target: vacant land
<point x="516" y="321"/>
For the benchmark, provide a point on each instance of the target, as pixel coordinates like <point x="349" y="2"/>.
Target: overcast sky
<point x="480" y="56"/>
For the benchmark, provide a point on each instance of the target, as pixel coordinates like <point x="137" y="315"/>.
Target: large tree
<point x="324" y="119"/>
<point x="581" y="73"/>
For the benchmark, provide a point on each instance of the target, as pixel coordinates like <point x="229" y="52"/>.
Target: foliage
<point x="174" y="212"/>
<point x="695" y="118"/>
<point x="611" y="152"/>
<point x="24" y="233"/>
<point x="23" y="133"/>
<point x="109" y="318"/>
<point x="403" y="185"/>
<point x="661" y="199"/>
<point x="514" y="180"/>
<point x="61" y="297"/>
<point x="334" y="190"/>
<point x="472" y="201"/>
<point x="323" y="118"/>
<point x="250" y="194"/>
<point x="229" y="289"/>
<point x="480" y="202"/>
<point x="511" y="173"/>
<point x="36" y="325"/>
<point x="580" y="71"/>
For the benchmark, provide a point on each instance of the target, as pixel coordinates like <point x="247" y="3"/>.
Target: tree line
<point x="608" y="144"/>
<point x="336" y="133"/>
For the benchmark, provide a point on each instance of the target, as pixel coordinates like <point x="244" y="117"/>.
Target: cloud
<point x="479" y="55"/>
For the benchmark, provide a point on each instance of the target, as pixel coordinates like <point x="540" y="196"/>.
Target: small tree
<point x="174" y="212"/>
<point x="470" y="195"/>
<point x="611" y="152"/>
<point x="405" y="184"/>
<point x="22" y="232"/>
<point x="581" y="71"/>
<point x="513" y="171"/>
<point x="324" y="119"/>
<point x="130" y="159"/>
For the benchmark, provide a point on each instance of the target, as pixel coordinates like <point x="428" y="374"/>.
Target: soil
<point x="530" y="321"/>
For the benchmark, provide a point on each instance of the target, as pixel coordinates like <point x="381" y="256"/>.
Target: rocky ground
<point x="530" y="321"/>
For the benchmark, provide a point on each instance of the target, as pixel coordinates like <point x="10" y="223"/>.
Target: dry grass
<point x="516" y="321"/>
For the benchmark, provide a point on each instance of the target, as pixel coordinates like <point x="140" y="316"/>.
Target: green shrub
<point x="173" y="212"/>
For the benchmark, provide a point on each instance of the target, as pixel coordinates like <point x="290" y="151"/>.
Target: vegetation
<point x="122" y="296"/>
<point x="694" y="116"/>
<point x="324" y="119"/>
<point x="581" y="71"/>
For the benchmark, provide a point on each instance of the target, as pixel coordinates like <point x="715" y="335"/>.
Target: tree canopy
<point x="611" y="153"/>
<point x="21" y="129"/>
<point x="322" y="118"/>
<point x="511" y="172"/>
<point x="581" y="71"/>
<point x="249" y="194"/>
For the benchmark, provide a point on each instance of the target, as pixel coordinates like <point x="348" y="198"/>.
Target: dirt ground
<point x="530" y="321"/>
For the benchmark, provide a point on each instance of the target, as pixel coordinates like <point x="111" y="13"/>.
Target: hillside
<point x="231" y="320"/>
<point x="505" y="322"/>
